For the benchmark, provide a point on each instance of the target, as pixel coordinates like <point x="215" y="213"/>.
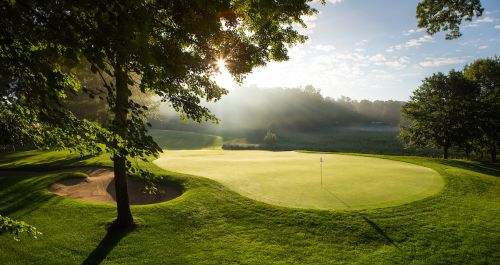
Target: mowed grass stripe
<point x="293" y="179"/>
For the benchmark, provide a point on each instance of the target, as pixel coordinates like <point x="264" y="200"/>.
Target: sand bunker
<point x="100" y="187"/>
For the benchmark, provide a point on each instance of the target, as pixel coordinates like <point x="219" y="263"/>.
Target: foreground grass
<point x="210" y="224"/>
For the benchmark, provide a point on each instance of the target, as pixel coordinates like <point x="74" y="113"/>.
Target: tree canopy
<point x="458" y="109"/>
<point x="436" y="16"/>
<point x="168" y="48"/>
<point x="486" y="73"/>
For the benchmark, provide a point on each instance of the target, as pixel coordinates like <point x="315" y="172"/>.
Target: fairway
<point x="293" y="179"/>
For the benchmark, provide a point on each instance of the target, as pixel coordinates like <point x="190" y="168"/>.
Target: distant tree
<point x="270" y="140"/>
<point x="309" y="89"/>
<point x="447" y="15"/>
<point x="441" y="113"/>
<point x="486" y="73"/>
<point x="173" y="47"/>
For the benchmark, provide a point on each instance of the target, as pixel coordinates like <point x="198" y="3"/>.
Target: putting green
<point x="293" y="179"/>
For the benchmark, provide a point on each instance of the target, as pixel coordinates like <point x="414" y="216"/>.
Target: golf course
<point x="419" y="211"/>
<point x="250" y="132"/>
<point x="298" y="179"/>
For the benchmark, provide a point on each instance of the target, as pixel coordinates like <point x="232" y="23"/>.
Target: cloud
<point x="361" y="43"/>
<point x="399" y="63"/>
<point x="381" y="74"/>
<point x="482" y="47"/>
<point x="335" y="1"/>
<point x="497" y="27"/>
<point x="486" y="20"/>
<point x="412" y="31"/>
<point x="442" y="61"/>
<point x="419" y="41"/>
<point x="410" y="43"/>
<point x="476" y="23"/>
<point x="377" y="58"/>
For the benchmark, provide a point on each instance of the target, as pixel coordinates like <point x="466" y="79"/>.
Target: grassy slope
<point x="212" y="225"/>
<point x="292" y="179"/>
<point x="174" y="140"/>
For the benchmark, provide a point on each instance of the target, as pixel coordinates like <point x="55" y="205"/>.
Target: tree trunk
<point x="493" y="154"/>
<point x="445" y="151"/>
<point x="124" y="218"/>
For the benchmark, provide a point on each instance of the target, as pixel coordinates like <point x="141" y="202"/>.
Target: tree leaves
<point x="436" y="16"/>
<point x="458" y="109"/>
<point x="16" y="228"/>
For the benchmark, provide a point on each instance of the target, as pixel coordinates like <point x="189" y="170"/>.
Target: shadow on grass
<point x="481" y="167"/>
<point x="374" y="225"/>
<point x="23" y="195"/>
<point x="379" y="230"/>
<point x="47" y="164"/>
<point x="107" y="244"/>
<point x="9" y="157"/>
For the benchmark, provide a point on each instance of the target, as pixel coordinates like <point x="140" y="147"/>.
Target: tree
<point x="464" y="107"/>
<point x="442" y="112"/>
<point x="486" y="73"/>
<point x="447" y="15"/>
<point x="91" y="104"/>
<point x="270" y="140"/>
<point x="172" y="47"/>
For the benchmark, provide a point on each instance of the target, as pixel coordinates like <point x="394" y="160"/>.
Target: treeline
<point x="459" y="110"/>
<point x="296" y="109"/>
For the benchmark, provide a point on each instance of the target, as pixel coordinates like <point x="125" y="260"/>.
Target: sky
<point x="366" y="49"/>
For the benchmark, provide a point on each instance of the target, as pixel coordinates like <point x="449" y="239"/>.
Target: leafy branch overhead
<point x="436" y="16"/>
<point x="16" y="228"/>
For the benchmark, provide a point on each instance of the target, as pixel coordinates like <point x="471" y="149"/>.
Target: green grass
<point x="293" y="179"/>
<point x="177" y="140"/>
<point x="367" y="139"/>
<point x="210" y="224"/>
<point x="344" y="139"/>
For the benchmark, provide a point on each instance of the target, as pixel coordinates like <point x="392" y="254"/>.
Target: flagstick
<point x="321" y="168"/>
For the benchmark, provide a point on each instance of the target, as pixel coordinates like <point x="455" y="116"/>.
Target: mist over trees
<point x="295" y="109"/>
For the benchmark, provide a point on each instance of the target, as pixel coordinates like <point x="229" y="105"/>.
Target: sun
<point x="221" y="64"/>
<point x="224" y="78"/>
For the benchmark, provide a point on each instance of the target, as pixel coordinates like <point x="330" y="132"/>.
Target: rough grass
<point x="293" y="179"/>
<point x="210" y="224"/>
<point x="175" y="140"/>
